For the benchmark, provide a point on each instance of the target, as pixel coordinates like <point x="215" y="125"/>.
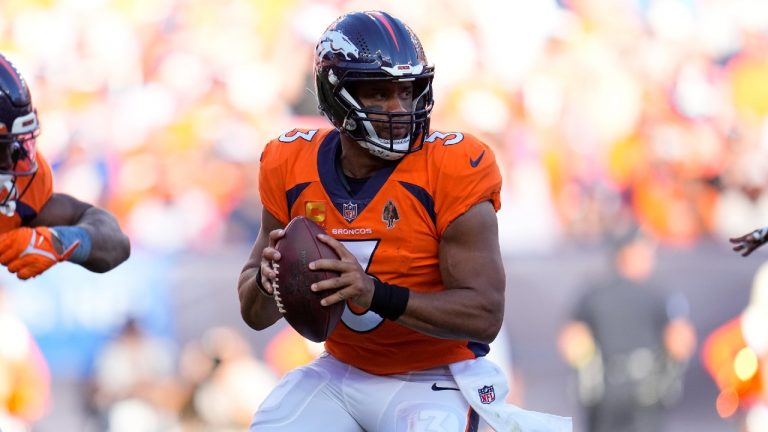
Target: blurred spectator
<point x="24" y="378"/>
<point x="135" y="388"/>
<point x="736" y="356"/>
<point x="629" y="344"/>
<point x="226" y="382"/>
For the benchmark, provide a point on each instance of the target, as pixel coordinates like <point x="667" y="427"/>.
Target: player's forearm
<point x="109" y="245"/>
<point x="258" y="310"/>
<point x="454" y="314"/>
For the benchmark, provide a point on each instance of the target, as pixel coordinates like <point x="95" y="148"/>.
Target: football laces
<point x="276" y="291"/>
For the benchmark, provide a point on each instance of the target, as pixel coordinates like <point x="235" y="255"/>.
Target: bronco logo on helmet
<point x="337" y="43"/>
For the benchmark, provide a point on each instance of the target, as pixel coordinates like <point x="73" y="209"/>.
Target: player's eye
<point x="379" y="95"/>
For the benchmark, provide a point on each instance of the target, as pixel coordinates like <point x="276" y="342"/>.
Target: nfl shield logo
<point x="350" y="211"/>
<point x="487" y="394"/>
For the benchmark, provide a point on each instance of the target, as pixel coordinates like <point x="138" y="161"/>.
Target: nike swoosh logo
<point x="476" y="162"/>
<point x="435" y="387"/>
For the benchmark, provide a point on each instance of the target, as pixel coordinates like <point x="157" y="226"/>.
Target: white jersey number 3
<point x="362" y="250"/>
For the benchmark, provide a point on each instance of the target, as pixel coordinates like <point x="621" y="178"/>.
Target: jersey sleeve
<point x="467" y="175"/>
<point x="272" y="181"/>
<point x="40" y="191"/>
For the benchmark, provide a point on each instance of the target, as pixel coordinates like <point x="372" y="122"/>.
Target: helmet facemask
<point x="388" y="135"/>
<point x="18" y="151"/>
<point x="18" y="154"/>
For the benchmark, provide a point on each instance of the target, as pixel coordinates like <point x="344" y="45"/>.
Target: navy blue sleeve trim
<point x="424" y="198"/>
<point x="292" y="195"/>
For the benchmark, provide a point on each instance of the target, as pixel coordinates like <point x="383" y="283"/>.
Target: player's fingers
<point x="10" y="249"/>
<point x="328" y="264"/>
<point x="17" y="264"/>
<point x="739" y="247"/>
<point x="336" y="245"/>
<point x="32" y="271"/>
<point x="338" y="296"/>
<point x="330" y="283"/>
<point x="269" y="270"/>
<point x="29" y="266"/>
<point x="270" y="254"/>
<point x="275" y="235"/>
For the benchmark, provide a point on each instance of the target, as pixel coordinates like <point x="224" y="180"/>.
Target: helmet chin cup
<point x="8" y="195"/>
<point x="380" y="152"/>
<point x="8" y="209"/>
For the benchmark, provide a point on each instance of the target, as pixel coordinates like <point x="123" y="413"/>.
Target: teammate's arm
<point x="747" y="243"/>
<point x="65" y="229"/>
<point x="109" y="246"/>
<point x="472" y="305"/>
<point x="254" y="287"/>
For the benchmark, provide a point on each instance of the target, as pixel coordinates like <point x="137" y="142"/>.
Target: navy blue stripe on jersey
<point x="292" y="194"/>
<point x="424" y="198"/>
<point x="479" y="349"/>
<point x="326" y="166"/>
<point x="473" y="423"/>
<point x="25" y="212"/>
<point x="329" y="172"/>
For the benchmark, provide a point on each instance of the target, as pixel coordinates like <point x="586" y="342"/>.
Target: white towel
<point x="484" y="385"/>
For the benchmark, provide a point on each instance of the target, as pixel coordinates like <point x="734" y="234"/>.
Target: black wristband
<point x="389" y="301"/>
<point x="258" y="284"/>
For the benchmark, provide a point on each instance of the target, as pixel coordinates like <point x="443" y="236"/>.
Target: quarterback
<point x="411" y="212"/>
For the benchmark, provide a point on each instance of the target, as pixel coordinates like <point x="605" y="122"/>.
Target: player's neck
<point x="358" y="162"/>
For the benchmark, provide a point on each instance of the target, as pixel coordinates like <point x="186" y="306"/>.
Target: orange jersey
<point x="35" y="191"/>
<point x="393" y="225"/>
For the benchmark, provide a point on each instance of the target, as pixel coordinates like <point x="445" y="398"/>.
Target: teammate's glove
<point x="750" y="242"/>
<point x="28" y="252"/>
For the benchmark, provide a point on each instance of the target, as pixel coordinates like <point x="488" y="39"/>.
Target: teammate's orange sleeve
<point x="37" y="194"/>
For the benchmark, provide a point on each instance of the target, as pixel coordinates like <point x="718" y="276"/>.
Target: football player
<point x="411" y="213"/>
<point x="38" y="227"/>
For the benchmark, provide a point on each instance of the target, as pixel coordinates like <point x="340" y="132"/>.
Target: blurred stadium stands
<point x="602" y="113"/>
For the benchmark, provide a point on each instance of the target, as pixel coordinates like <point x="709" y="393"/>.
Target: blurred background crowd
<point x="607" y="117"/>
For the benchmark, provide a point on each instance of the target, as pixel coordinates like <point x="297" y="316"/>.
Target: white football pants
<point x="328" y="395"/>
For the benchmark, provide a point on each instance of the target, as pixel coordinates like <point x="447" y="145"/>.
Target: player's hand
<point x="28" y="252"/>
<point x="269" y="262"/>
<point x="747" y="243"/>
<point x="353" y="282"/>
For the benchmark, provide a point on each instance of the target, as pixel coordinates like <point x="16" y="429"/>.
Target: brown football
<point x="300" y="306"/>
